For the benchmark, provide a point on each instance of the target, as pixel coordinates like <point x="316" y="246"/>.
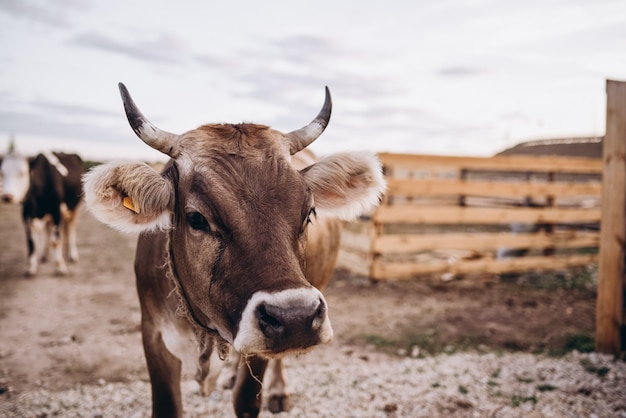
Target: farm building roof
<point x="570" y="147"/>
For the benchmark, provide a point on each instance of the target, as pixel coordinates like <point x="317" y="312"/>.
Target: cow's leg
<point x="165" y="372"/>
<point x="247" y="394"/>
<point x="44" y="248"/>
<point x="69" y="233"/>
<point x="31" y="240"/>
<point x="233" y="368"/>
<point x="56" y="241"/>
<point x="36" y="233"/>
<point x="278" y="396"/>
<point x="209" y="368"/>
<point x="72" y="246"/>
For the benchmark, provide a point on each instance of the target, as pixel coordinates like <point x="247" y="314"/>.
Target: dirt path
<point x="58" y="331"/>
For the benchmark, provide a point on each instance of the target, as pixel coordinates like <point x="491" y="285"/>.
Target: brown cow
<point x="322" y="249"/>
<point x="221" y="259"/>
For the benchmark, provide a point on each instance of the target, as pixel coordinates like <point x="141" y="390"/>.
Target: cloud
<point x="214" y="61"/>
<point x="39" y="123"/>
<point x="458" y="71"/>
<point x="585" y="42"/>
<point x="59" y="15"/>
<point x="299" y="60"/>
<point x="63" y="121"/>
<point x="304" y="50"/>
<point x="291" y="73"/>
<point x="164" y="48"/>
<point x="71" y="110"/>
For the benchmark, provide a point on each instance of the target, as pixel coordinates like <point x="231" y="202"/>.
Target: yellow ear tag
<point x="128" y="203"/>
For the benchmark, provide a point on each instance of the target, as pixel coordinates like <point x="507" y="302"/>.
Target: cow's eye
<point x="308" y="220"/>
<point x="197" y="221"/>
<point x="313" y="214"/>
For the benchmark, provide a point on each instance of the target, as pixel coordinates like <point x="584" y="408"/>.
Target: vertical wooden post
<point x="378" y="229"/>
<point x="549" y="228"/>
<point x="610" y="303"/>
<point x="462" y="176"/>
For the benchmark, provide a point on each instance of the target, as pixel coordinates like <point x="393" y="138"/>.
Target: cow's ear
<point x="129" y="196"/>
<point x="346" y="185"/>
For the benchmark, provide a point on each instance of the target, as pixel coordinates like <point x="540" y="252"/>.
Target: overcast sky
<point x="421" y="76"/>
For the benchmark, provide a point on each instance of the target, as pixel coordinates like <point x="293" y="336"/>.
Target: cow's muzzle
<point x="274" y="324"/>
<point x="288" y="327"/>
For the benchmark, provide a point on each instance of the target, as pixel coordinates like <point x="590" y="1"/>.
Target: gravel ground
<point x="333" y="383"/>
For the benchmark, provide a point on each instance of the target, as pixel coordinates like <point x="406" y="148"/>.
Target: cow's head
<point x="236" y="212"/>
<point x="15" y="172"/>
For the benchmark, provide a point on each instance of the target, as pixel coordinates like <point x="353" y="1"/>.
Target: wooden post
<point x="610" y="303"/>
<point x="378" y="229"/>
<point x="462" y="176"/>
<point x="549" y="228"/>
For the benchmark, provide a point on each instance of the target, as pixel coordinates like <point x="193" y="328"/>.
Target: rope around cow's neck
<point x="203" y="332"/>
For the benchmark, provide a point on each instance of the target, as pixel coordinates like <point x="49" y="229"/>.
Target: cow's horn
<point x="159" y="140"/>
<point x="301" y="138"/>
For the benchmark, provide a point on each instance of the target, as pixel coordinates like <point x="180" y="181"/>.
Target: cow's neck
<point x="184" y="307"/>
<point x="204" y="334"/>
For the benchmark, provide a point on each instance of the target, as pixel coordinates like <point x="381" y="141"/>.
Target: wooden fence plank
<point x="507" y="163"/>
<point x="405" y="244"/>
<point x="472" y="215"/>
<point x="444" y="187"/>
<point x="404" y="270"/>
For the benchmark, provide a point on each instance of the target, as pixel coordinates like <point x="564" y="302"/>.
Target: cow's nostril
<point x="267" y="320"/>
<point x="321" y="310"/>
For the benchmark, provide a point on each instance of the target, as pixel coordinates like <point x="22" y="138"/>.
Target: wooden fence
<point x="462" y="215"/>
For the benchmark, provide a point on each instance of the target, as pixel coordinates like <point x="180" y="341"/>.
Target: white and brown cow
<point x="49" y="188"/>
<point x="222" y="259"/>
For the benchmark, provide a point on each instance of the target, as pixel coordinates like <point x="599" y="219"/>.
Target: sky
<point x="448" y="77"/>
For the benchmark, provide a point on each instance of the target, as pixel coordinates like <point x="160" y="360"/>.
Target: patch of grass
<point x="463" y="390"/>
<point x="589" y="367"/>
<point x="468" y="342"/>
<point x="426" y="339"/>
<point x="380" y="342"/>
<point x="492" y="383"/>
<point x="435" y="385"/>
<point x="576" y="278"/>
<point x="517" y="400"/>
<point x="584" y="343"/>
<point x="581" y="342"/>
<point x="546" y="388"/>
<point x="602" y="371"/>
